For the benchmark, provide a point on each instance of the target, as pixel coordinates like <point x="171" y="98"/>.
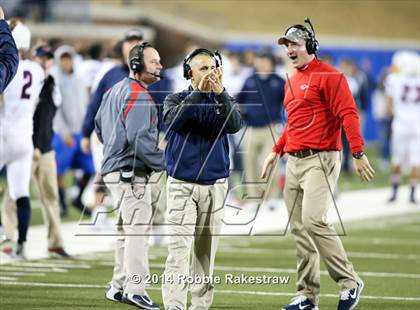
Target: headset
<point x="137" y="59"/>
<point x="312" y="45"/>
<point x="186" y="64"/>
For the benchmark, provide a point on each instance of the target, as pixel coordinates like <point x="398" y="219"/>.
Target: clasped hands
<point x="212" y="82"/>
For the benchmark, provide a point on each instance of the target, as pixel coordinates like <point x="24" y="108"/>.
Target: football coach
<point x="197" y="162"/>
<point x="319" y="104"/>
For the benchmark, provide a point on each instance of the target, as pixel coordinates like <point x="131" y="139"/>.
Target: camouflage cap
<point x="294" y="34"/>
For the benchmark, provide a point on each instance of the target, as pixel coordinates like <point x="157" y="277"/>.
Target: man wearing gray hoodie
<point x="68" y="123"/>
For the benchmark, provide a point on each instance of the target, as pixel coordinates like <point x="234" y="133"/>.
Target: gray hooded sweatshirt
<point x="69" y="117"/>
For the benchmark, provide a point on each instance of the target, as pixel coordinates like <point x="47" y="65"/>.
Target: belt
<point x="306" y="153"/>
<point x="128" y="174"/>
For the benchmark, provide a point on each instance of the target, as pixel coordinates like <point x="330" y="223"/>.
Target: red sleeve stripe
<point x="136" y="89"/>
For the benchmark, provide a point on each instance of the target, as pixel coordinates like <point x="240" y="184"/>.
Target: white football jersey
<point x="20" y="99"/>
<point x="405" y="93"/>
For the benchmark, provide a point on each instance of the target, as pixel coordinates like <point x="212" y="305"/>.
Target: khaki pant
<point x="194" y="216"/>
<point x="258" y="142"/>
<point x="157" y="182"/>
<point x="135" y="215"/>
<point x="308" y="194"/>
<point x="44" y="171"/>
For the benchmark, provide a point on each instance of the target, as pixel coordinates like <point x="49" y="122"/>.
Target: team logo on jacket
<point x="304" y="86"/>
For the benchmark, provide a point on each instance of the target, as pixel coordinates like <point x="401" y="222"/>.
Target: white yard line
<point x="34" y="269"/>
<point x="7" y="279"/>
<point x="53" y="265"/>
<point x="282" y="252"/>
<point x="219" y="291"/>
<point x="34" y="274"/>
<point x="346" y="240"/>
<point x="381" y="241"/>
<point x="323" y="272"/>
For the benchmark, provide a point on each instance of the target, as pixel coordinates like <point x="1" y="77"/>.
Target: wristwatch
<point x="358" y="155"/>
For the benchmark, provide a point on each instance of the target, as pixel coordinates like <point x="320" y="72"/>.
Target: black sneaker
<point x="141" y="301"/>
<point x="300" y="302"/>
<point x="78" y="204"/>
<point x="58" y="252"/>
<point x="20" y="253"/>
<point x="350" y="298"/>
<point x="392" y="199"/>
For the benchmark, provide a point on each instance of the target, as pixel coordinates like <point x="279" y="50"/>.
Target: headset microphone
<point x="308" y="21"/>
<point x="156" y="75"/>
<point x="312" y="44"/>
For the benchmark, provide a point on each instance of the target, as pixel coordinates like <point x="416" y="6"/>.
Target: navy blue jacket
<point x="112" y="77"/>
<point x="198" y="124"/>
<point x="261" y="100"/>
<point x="9" y="56"/>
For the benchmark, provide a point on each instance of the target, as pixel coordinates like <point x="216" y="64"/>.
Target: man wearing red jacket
<point x="319" y="103"/>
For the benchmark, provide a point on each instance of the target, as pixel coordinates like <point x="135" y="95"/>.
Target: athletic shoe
<point x="113" y="294"/>
<point x="350" y="298"/>
<point x="141" y="301"/>
<point x="78" y="204"/>
<point x="392" y="199"/>
<point x="58" y="252"/>
<point x="300" y="302"/>
<point x="174" y="308"/>
<point x="20" y="253"/>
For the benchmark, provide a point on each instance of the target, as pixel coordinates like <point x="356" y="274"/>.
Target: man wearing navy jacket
<point x="197" y="162"/>
<point x="261" y="102"/>
<point x="9" y="57"/>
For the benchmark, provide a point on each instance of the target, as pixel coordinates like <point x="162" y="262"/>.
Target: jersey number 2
<point x="27" y="76"/>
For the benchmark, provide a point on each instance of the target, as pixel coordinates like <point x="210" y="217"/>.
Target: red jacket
<point x="319" y="102"/>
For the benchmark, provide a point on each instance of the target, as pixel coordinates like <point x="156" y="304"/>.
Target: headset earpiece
<point x="137" y="60"/>
<point x="186" y="66"/>
<point x="312" y="45"/>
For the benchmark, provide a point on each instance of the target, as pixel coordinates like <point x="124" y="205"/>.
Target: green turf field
<point x="385" y="252"/>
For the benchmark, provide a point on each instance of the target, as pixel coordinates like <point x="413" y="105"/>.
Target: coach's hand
<point x="363" y="169"/>
<point x="69" y="141"/>
<point x="216" y="81"/>
<point x="204" y="85"/>
<point x="268" y="164"/>
<point x="85" y="145"/>
<point x="1" y="13"/>
<point x="37" y="154"/>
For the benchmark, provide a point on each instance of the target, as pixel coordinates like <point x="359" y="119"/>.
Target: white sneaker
<point x="141" y="301"/>
<point x="99" y="219"/>
<point x="113" y="294"/>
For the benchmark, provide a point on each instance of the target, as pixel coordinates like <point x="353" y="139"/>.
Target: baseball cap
<point x="266" y="53"/>
<point x="43" y="51"/>
<point x="133" y="34"/>
<point x="294" y="34"/>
